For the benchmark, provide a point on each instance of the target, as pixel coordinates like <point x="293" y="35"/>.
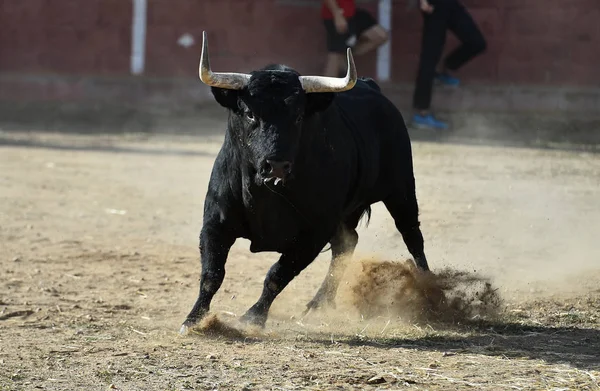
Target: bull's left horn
<point x="231" y="81"/>
<point x="331" y="84"/>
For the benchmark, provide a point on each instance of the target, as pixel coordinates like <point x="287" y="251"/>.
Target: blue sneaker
<point x="428" y="121"/>
<point x="444" y="78"/>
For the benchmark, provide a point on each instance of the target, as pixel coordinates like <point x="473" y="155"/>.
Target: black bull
<point x="297" y="170"/>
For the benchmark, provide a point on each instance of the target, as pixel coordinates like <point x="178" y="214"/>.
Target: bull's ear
<point x="318" y="101"/>
<point x="225" y="97"/>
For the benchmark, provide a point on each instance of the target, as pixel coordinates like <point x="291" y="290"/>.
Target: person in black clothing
<point x="439" y="16"/>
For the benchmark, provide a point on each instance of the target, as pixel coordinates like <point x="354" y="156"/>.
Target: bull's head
<point x="268" y="108"/>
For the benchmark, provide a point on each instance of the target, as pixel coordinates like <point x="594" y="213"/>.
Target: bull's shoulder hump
<point x="367" y="81"/>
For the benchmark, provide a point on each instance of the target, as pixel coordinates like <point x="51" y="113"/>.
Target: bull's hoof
<point x="321" y="301"/>
<point x="184" y="329"/>
<point x="254" y="319"/>
<point x="189" y="323"/>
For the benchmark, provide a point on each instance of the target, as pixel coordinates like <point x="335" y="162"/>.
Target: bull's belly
<point x="257" y="246"/>
<point x="272" y="239"/>
<point x="273" y="231"/>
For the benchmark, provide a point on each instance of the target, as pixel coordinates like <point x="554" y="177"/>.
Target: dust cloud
<point x="219" y="325"/>
<point x="212" y="325"/>
<point x="399" y="289"/>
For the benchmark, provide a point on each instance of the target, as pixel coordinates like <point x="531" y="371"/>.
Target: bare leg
<point x="371" y="39"/>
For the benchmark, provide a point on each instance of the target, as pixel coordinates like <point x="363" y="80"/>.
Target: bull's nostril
<point x="266" y="169"/>
<point x="276" y="168"/>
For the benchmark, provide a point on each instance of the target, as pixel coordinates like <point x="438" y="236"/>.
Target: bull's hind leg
<point x="405" y="210"/>
<point x="343" y="244"/>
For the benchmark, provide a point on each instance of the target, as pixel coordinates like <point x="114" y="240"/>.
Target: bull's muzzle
<point x="275" y="171"/>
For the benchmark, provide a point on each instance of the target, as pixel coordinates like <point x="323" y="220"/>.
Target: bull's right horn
<point x="331" y="84"/>
<point x="231" y="81"/>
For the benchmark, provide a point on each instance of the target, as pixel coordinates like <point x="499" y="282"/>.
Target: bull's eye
<point x="250" y="116"/>
<point x="299" y="119"/>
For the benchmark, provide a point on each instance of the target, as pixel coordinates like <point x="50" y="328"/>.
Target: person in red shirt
<point x="348" y="26"/>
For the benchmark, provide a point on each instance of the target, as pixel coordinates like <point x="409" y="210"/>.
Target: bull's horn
<point x="231" y="81"/>
<point x="331" y="84"/>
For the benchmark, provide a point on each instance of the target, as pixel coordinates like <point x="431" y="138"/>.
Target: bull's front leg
<point x="279" y="276"/>
<point x="215" y="243"/>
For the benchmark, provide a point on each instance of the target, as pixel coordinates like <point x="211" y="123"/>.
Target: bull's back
<point x="380" y="133"/>
<point x="373" y="114"/>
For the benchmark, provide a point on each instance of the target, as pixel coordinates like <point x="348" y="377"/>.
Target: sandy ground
<point x="99" y="267"/>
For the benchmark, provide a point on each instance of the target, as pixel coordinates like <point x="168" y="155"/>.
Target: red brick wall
<point x="65" y="36"/>
<point x="549" y="42"/>
<point x="243" y="35"/>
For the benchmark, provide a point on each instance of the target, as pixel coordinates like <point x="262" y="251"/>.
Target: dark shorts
<point x="357" y="25"/>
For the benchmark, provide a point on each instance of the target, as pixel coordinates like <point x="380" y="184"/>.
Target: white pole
<point x="138" y="36"/>
<point x="384" y="58"/>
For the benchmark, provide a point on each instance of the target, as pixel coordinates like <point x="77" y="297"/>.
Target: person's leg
<point x="370" y="34"/>
<point x="432" y="45"/>
<point x="336" y="49"/>
<point x="461" y="23"/>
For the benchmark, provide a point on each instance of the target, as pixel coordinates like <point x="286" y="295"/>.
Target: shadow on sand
<point x="579" y="347"/>
<point x="575" y="346"/>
